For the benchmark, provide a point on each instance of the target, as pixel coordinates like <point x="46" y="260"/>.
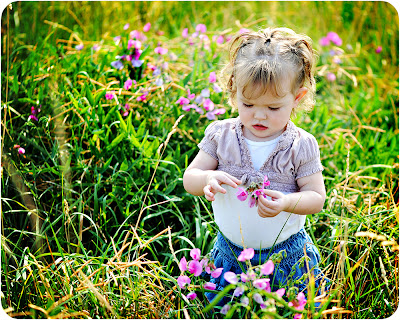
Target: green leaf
<point x="219" y="296"/>
<point x="89" y="95"/>
<point x="123" y="125"/>
<point x="116" y="141"/>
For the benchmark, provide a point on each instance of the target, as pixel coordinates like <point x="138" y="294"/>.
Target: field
<point x="95" y="137"/>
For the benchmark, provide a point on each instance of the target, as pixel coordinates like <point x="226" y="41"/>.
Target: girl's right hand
<point x="214" y="181"/>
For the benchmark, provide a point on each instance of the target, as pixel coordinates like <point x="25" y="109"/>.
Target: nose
<point x="260" y="114"/>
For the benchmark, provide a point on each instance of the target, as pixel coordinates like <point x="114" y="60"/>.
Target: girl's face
<point x="265" y="117"/>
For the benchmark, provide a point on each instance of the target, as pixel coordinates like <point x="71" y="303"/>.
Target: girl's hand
<point x="214" y="181"/>
<point x="271" y="208"/>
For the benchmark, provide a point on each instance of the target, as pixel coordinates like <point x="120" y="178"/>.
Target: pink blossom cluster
<point x="34" y="113"/>
<point x="331" y="37"/>
<point x="253" y="192"/>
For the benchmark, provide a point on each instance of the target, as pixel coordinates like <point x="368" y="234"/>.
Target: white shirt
<point x="242" y="224"/>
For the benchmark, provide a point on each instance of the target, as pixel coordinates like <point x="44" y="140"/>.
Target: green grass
<point x="94" y="214"/>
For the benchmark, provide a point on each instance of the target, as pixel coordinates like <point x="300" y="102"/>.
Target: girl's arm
<point x="200" y="177"/>
<point x="310" y="199"/>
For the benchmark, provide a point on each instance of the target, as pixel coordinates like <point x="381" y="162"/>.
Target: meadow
<point x="102" y="107"/>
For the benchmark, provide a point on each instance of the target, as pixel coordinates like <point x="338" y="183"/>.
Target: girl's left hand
<point x="271" y="208"/>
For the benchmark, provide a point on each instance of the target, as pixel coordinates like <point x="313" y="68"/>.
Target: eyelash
<point x="250" y="105"/>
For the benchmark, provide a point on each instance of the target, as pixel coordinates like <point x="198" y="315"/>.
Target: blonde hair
<point x="268" y="59"/>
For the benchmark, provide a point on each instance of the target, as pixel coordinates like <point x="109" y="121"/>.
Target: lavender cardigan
<point x="296" y="155"/>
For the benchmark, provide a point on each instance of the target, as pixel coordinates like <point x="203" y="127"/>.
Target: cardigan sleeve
<point x="209" y="143"/>
<point x="308" y="157"/>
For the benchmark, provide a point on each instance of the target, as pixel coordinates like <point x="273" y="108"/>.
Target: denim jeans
<point x="224" y="251"/>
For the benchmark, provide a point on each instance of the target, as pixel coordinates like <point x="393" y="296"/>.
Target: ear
<point x="300" y="94"/>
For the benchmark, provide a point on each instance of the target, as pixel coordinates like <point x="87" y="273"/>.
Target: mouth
<point x="260" y="127"/>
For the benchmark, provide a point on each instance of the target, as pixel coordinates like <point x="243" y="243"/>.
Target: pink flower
<point x="209" y="286"/>
<point x="128" y="84"/>
<point x="280" y="292"/>
<point x="125" y="110"/>
<point x="208" y="105"/>
<point x="244" y="277"/>
<point x="217" y="272"/>
<point x="195" y="253"/>
<point x="21" y="150"/>
<point x="231" y="277"/>
<point x="185" y="33"/>
<point x="143" y="97"/>
<point x="201" y="28"/>
<point x="134" y="43"/>
<point x="183" y="281"/>
<point x="225" y="309"/>
<point x="267" y="268"/>
<point x="146" y="27"/>
<point x="334" y="37"/>
<point x="182" y="101"/>
<point x="219" y="111"/>
<point x="246" y="254"/>
<point x="110" y="95"/>
<point x="299" y="302"/>
<point x="212" y="78"/>
<point x="217" y="88"/>
<point x="245" y="301"/>
<point x="126" y="26"/>
<point x="241" y="194"/>
<point x="324" y="41"/>
<point x="183" y="264"/>
<point x="266" y="182"/>
<point x="331" y="77"/>
<point x="238" y="291"/>
<point x="220" y="39"/>
<point x="261" y="283"/>
<point x="195" y="268"/>
<point x="79" y="46"/>
<point x="191" y="295"/>
<point x="252" y="202"/>
<point x="378" y="49"/>
<point x="161" y="50"/>
<point x="243" y="30"/>
<point x="258" y="298"/>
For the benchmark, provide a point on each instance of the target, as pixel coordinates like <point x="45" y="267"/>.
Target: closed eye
<point x="247" y="105"/>
<point x="273" y="109"/>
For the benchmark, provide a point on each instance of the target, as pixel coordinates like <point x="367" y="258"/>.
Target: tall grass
<point x="94" y="214"/>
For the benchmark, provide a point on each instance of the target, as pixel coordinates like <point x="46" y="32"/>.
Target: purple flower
<point x="191" y="295"/>
<point x="217" y="272"/>
<point x="117" y="64"/>
<point x="217" y="88"/>
<point x="334" y="37"/>
<point x="143" y="97"/>
<point x="252" y="202"/>
<point x="110" y="95"/>
<point x="187" y="107"/>
<point x="331" y="77"/>
<point x="195" y="253"/>
<point x="21" y="150"/>
<point x="134" y="43"/>
<point x="159" y="82"/>
<point x="195" y="268"/>
<point x="245" y="301"/>
<point x="147" y="27"/>
<point x="212" y="77"/>
<point x="79" y="46"/>
<point x="208" y="105"/>
<point x="95" y="47"/>
<point x="378" y="49"/>
<point x="209" y="286"/>
<point x="324" y="42"/>
<point x="241" y="194"/>
<point x="183" y="264"/>
<point x="266" y="182"/>
<point x="225" y="309"/>
<point x="258" y="298"/>
<point x="137" y="63"/>
<point x="210" y="115"/>
<point x="161" y="50"/>
<point x="231" y="277"/>
<point x="246" y="254"/>
<point x="267" y="268"/>
<point x="238" y="291"/>
<point x="205" y="93"/>
<point x="201" y="28"/>
<point x="128" y="84"/>
<point x="183" y="281"/>
<point x="185" y="33"/>
<point x="182" y="101"/>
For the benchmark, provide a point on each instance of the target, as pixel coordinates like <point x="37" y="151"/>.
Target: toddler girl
<point x="271" y="74"/>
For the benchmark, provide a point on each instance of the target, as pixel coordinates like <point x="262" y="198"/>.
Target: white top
<point x="242" y="224"/>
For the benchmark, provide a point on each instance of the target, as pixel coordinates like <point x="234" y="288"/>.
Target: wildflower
<point x="147" y="27"/>
<point x="217" y="272"/>
<point x="217" y="88"/>
<point x="337" y="60"/>
<point x="225" y="309"/>
<point x="209" y="286"/>
<point x="159" y="82"/>
<point x="185" y="33"/>
<point x="126" y="26"/>
<point x="134" y="34"/>
<point x="219" y="111"/>
<point x="137" y="63"/>
<point x="331" y="77"/>
<point x="183" y="264"/>
<point x="212" y="77"/>
<point x="182" y="101"/>
<point x="267" y="268"/>
<point x="220" y="39"/>
<point x="126" y="112"/>
<point x="195" y="268"/>
<point x="258" y="298"/>
<point x="238" y="291"/>
<point x="299" y="302"/>
<point x="280" y="292"/>
<point x="231" y="277"/>
<point x="79" y="46"/>
<point x="191" y="295"/>
<point x="95" y="47"/>
<point x="245" y="301"/>
<point x="161" y="50"/>
<point x="143" y="97"/>
<point x="117" y="64"/>
<point x="183" y="281"/>
<point x="117" y="39"/>
<point x="244" y="277"/>
<point x="205" y="93"/>
<point x="34" y="112"/>
<point x="110" y="95"/>
<point x="191" y="96"/>
<point x="201" y="28"/>
<point x="198" y="109"/>
<point x="210" y="115"/>
<point x="252" y="201"/>
<point x="134" y="43"/>
<point x="241" y="194"/>
<point x="324" y="42"/>
<point x="261" y="283"/>
<point x="266" y="182"/>
<point x="137" y="53"/>
<point x="187" y="107"/>
<point x="195" y="253"/>
<point x="128" y="84"/>
<point x="243" y="30"/>
<point x="378" y="49"/>
<point x="21" y="150"/>
<point x="246" y="254"/>
<point x="334" y="37"/>
<point x="208" y="105"/>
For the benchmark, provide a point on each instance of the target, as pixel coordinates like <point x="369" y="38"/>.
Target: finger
<point x="273" y="193"/>
<point x="230" y="180"/>
<point x="208" y="194"/>
<point x="217" y="187"/>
